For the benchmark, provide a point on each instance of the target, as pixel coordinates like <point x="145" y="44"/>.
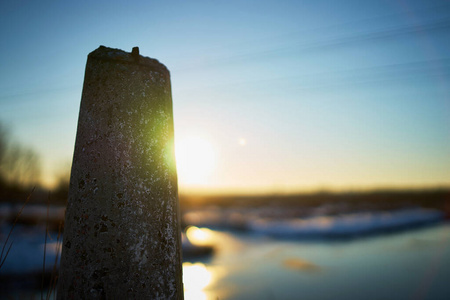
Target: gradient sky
<point x="327" y="94"/>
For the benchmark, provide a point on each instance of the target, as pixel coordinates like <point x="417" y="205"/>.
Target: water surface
<point x="408" y="265"/>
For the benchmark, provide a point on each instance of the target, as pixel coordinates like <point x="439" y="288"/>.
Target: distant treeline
<point x="380" y="200"/>
<point x="20" y="172"/>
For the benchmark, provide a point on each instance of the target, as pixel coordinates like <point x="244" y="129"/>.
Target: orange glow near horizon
<point x="243" y="168"/>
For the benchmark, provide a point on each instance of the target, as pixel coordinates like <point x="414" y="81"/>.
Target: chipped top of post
<point x="105" y="53"/>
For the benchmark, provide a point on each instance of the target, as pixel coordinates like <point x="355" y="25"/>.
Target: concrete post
<point x="122" y="230"/>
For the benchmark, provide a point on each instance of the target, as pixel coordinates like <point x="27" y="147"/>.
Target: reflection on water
<point x="202" y="282"/>
<point x="196" y="278"/>
<point x="200" y="236"/>
<point x="300" y="265"/>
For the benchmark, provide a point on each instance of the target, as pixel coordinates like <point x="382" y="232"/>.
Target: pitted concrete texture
<point x="122" y="234"/>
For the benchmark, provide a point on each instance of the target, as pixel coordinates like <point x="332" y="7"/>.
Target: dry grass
<point x="4" y="254"/>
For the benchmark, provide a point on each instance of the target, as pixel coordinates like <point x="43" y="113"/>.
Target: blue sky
<point x="327" y="94"/>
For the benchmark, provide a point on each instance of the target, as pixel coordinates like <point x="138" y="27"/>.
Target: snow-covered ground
<point x="27" y="250"/>
<point x="348" y="225"/>
<point x="317" y="223"/>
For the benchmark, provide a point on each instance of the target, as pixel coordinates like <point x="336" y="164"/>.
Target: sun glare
<point x="195" y="160"/>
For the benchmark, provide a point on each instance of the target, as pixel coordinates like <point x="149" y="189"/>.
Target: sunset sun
<point x="195" y="160"/>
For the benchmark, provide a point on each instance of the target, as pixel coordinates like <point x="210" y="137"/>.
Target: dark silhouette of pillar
<point x="122" y="231"/>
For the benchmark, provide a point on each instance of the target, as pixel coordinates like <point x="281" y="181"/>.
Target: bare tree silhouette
<point x="19" y="165"/>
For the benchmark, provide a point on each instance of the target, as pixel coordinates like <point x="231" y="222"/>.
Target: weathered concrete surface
<point x="122" y="234"/>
